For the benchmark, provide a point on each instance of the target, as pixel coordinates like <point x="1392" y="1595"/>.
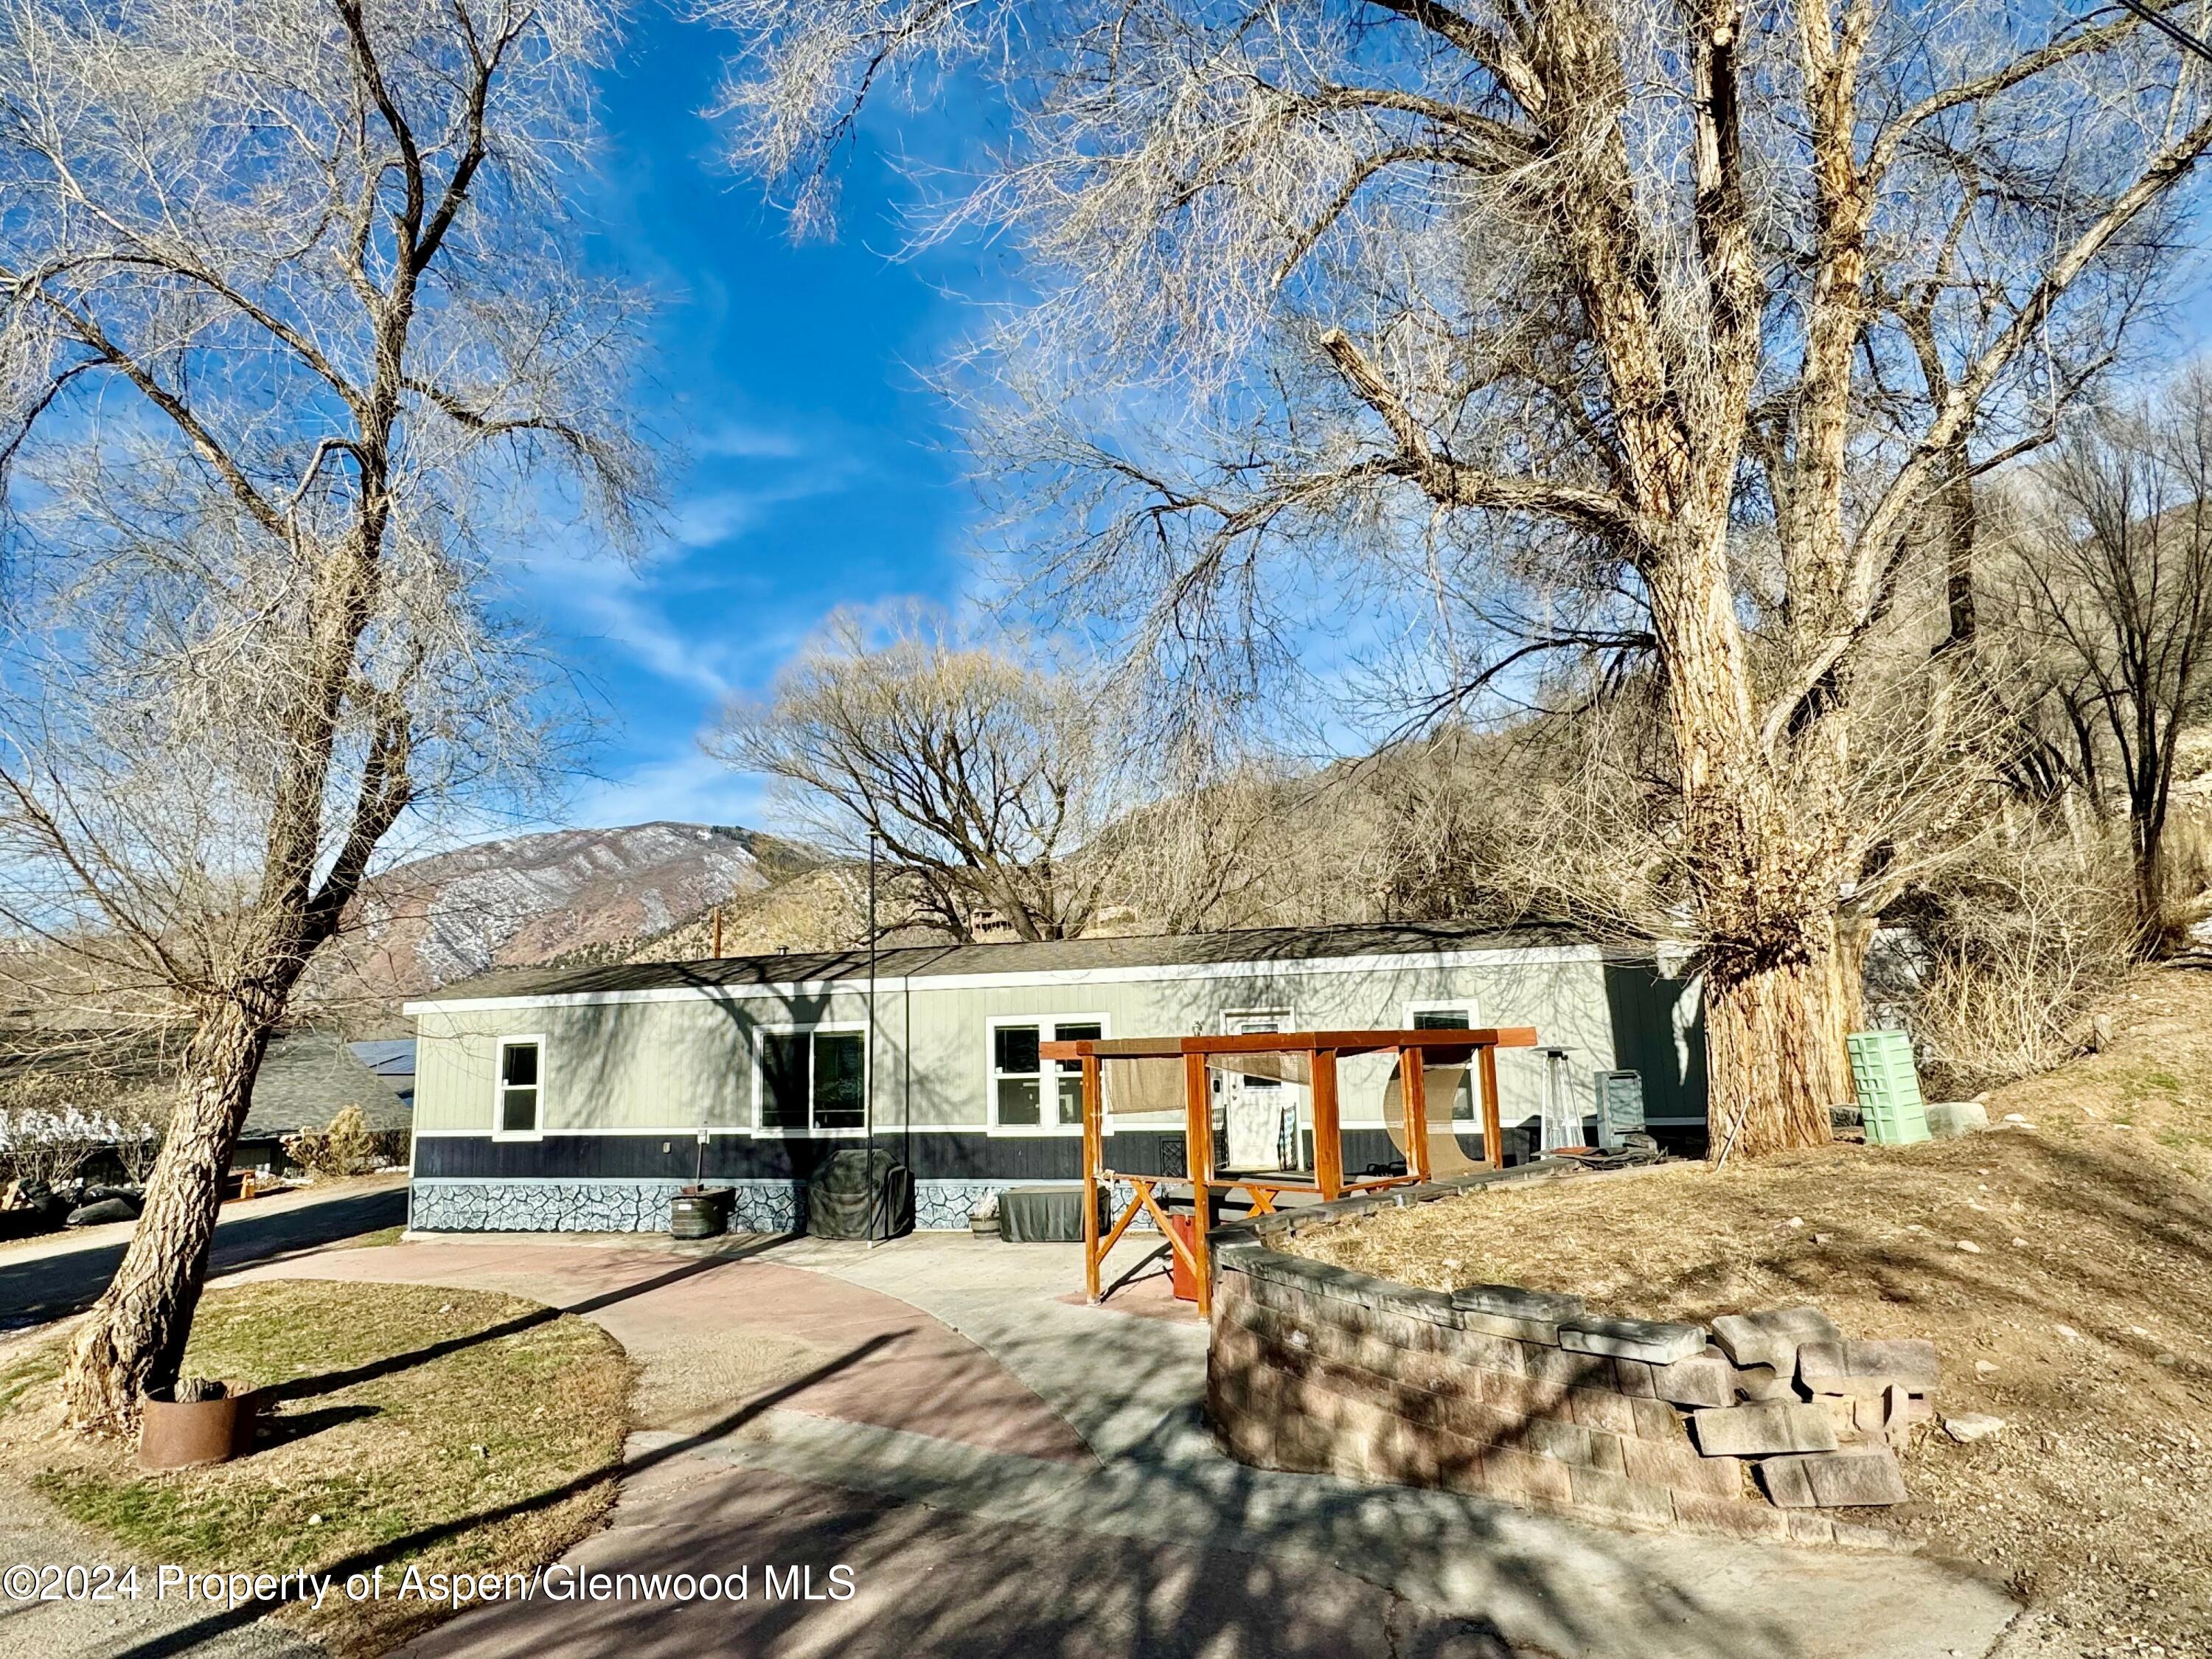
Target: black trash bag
<point x="101" y="1212"/>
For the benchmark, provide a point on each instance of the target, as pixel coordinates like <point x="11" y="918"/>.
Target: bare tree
<point x="1607" y="291"/>
<point x="2113" y="592"/>
<point x="290" y="331"/>
<point x="982" y="777"/>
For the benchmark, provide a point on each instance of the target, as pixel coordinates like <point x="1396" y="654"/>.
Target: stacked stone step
<point x="1818" y="1418"/>
<point x="1494" y="1389"/>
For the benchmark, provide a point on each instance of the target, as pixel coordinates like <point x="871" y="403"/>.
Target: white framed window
<point x="518" y="1088"/>
<point x="1454" y="1015"/>
<point x="1029" y="1095"/>
<point x="810" y="1080"/>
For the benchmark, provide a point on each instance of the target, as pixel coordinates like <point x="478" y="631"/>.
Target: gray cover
<point x="1044" y="1215"/>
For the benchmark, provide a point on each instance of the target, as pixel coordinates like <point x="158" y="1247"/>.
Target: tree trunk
<point x="134" y="1338"/>
<point x="1759" y="878"/>
<point x="1842" y="991"/>
<point x="1765" y="1063"/>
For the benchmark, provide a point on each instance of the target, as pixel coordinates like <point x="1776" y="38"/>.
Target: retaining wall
<point x="1530" y="1398"/>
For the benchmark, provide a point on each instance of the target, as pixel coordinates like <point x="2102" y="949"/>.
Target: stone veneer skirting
<point x="1495" y="1391"/>
<point x="544" y="1206"/>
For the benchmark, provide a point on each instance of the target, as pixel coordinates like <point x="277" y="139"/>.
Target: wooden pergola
<point x="1319" y="1051"/>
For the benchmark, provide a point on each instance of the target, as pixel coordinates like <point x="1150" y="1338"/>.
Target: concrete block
<point x="1761" y="1382"/>
<point x="1946" y="1118"/>
<point x="1772" y="1338"/>
<point x="1807" y="1526"/>
<point x="1602" y="1409"/>
<point x="1659" y="1423"/>
<point x="1568" y="1368"/>
<point x="1473" y="1420"/>
<point x="1786" y="1482"/>
<point x="1633" y="1377"/>
<point x="1562" y="1442"/>
<point x="1702" y="1380"/>
<point x="1731" y="1517"/>
<point x="1656" y="1342"/>
<point x="1540" y="1307"/>
<point x="1494" y="1352"/>
<point x="1831" y="1480"/>
<point x="1864" y="1370"/>
<point x="1683" y="1469"/>
<point x="1761" y="1429"/>
<point x="1524" y="1396"/>
<point x="1512" y="1330"/>
<point x="1621" y="1498"/>
<point x="1523" y="1479"/>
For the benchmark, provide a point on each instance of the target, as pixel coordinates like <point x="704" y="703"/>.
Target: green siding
<point x="678" y="1064"/>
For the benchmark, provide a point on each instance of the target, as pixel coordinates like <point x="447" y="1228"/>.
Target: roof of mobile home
<point x="1378" y="944"/>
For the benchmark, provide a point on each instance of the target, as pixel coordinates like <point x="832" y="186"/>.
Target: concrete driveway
<point x="1000" y="1469"/>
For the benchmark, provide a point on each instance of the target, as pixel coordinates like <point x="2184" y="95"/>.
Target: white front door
<point x="1254" y="1106"/>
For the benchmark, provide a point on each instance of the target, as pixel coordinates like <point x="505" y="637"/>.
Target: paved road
<point x="35" y="1288"/>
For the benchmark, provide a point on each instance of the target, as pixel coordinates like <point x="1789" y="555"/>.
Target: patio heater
<point x="1562" y="1123"/>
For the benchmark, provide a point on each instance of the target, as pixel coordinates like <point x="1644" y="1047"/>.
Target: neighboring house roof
<point x="306" y="1078"/>
<point x="392" y="1059"/>
<point x="1135" y="956"/>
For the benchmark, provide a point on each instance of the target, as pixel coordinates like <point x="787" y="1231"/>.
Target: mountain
<point x="566" y="895"/>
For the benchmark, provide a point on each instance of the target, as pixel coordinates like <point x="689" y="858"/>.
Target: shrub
<point x="2015" y="960"/>
<point x="348" y="1147"/>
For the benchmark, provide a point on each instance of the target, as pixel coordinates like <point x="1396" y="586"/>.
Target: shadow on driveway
<point x="54" y="1286"/>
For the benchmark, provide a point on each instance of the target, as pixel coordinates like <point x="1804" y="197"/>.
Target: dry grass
<point x="451" y="1430"/>
<point x="2081" y="1317"/>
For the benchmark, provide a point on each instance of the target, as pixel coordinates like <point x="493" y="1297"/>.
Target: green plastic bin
<point x="1888" y="1087"/>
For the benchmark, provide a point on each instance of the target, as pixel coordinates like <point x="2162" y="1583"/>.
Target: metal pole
<point x="868" y="1093"/>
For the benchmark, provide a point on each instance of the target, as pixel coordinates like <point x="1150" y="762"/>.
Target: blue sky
<point x="819" y="471"/>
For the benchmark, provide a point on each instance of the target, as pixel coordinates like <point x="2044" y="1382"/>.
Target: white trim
<point x="1170" y="973"/>
<point x="761" y="1130"/>
<point x="499" y="1048"/>
<point x="1047" y="1107"/>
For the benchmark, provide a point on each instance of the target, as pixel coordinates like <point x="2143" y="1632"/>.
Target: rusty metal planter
<point x="176" y="1434"/>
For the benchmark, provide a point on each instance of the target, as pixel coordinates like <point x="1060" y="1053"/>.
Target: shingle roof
<point x="305" y="1077"/>
<point x="933" y="961"/>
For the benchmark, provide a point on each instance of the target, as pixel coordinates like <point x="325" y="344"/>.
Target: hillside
<point x="2061" y="1263"/>
<point x="575" y="895"/>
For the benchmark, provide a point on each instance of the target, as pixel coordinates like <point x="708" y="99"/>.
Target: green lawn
<point x="451" y="1430"/>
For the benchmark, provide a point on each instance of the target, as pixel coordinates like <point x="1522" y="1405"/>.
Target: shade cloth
<point x="1440" y="1086"/>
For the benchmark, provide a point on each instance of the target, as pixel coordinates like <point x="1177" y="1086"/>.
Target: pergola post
<point x="1413" y="1092"/>
<point x="1093" y="1157"/>
<point x="1329" y="1136"/>
<point x="1493" y="1138"/>
<point x="1197" y="1138"/>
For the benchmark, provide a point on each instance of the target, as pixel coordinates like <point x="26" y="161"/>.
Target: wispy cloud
<point x="743" y="440"/>
<point x="689" y="785"/>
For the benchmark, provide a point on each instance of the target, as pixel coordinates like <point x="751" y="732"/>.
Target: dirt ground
<point x="2061" y="1264"/>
